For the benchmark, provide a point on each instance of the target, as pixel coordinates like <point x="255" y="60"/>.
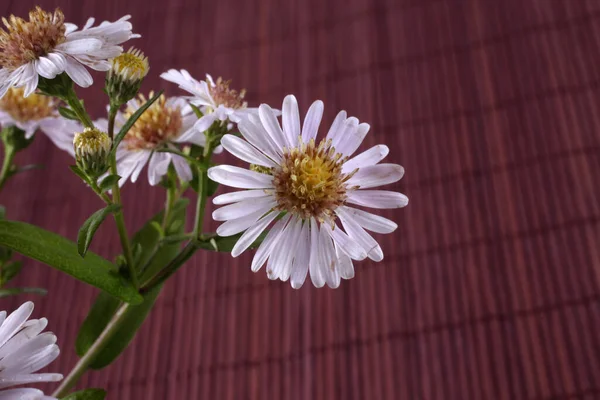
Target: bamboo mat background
<point x="490" y="288"/>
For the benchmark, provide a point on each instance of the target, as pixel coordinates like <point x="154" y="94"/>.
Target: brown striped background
<point x="490" y="288"/>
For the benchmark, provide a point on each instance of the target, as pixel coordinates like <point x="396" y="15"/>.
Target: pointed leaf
<point x="60" y="253"/>
<point x="68" y="113"/>
<point x="90" y="226"/>
<point x="79" y="173"/>
<point x="109" y="182"/>
<point x="9" y="271"/>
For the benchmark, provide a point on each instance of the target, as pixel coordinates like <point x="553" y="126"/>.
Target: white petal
<point x="14" y="321"/>
<point x="29" y="378"/>
<point x="22" y="394"/>
<point x="279" y="261"/>
<point x="31" y="78"/>
<point x="337" y="123"/>
<point x="78" y="73"/>
<point x="377" y="175"/>
<point x="371" y="222"/>
<point x="346" y="243"/>
<point x="80" y="46"/>
<point x="291" y="120"/>
<point x="243" y="208"/>
<point x="344" y="264"/>
<point x="360" y="236"/>
<point x="182" y="168"/>
<point x="245" y="151"/>
<point x="240" y="178"/>
<point x="269" y="122"/>
<point x="316" y="275"/>
<point x="205" y="122"/>
<point x="301" y="258"/>
<point x="234" y="197"/>
<point x="366" y="158"/>
<point x="46" y="68"/>
<point x="265" y="248"/>
<point x="237" y="225"/>
<point x="256" y="135"/>
<point x="59" y="61"/>
<point x="251" y="234"/>
<point x="158" y="167"/>
<point x="352" y="139"/>
<point x="312" y="120"/>
<point x="328" y="258"/>
<point x="377" y="198"/>
<point x="345" y="133"/>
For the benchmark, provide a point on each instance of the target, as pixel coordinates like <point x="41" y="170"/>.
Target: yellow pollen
<point x="309" y="182"/>
<point x="223" y="95"/>
<point x="25" y="41"/>
<point x="159" y="124"/>
<point x="32" y="108"/>
<point x="132" y="65"/>
<point x="91" y="142"/>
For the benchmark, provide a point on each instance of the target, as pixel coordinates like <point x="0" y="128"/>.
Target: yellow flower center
<point x="309" y="182"/>
<point x="159" y="124"/>
<point x="25" y="41"/>
<point x="132" y="65"/>
<point x="91" y="142"/>
<point x="223" y="95"/>
<point x="32" y="108"/>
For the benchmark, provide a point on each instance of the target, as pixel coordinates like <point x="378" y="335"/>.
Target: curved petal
<point x="251" y="234"/>
<point x="245" y="151"/>
<point x="291" y="120"/>
<point x="377" y="198"/>
<point x="312" y="120"/>
<point x="366" y="158"/>
<point x="376" y="175"/>
<point x="240" y="178"/>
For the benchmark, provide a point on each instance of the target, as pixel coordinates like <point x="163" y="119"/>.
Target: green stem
<point x="119" y="220"/>
<point x="202" y="171"/>
<point x="78" y="108"/>
<point x="84" y="362"/>
<point x="9" y="155"/>
<point x="112" y="114"/>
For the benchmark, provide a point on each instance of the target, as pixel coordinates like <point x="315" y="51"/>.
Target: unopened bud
<point x="124" y="78"/>
<point x="92" y="147"/>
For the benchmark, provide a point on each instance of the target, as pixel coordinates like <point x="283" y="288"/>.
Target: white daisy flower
<point x="36" y="112"/>
<point x="214" y="98"/>
<point x="23" y="351"/>
<point x="47" y="46"/>
<point x="314" y="185"/>
<point x="165" y="122"/>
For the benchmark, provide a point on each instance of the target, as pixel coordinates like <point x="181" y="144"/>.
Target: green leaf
<point x="90" y="226"/>
<point x="196" y="111"/>
<point x="132" y="121"/>
<point x="9" y="271"/>
<point x="2" y="212"/>
<point x="88" y="394"/>
<point x="101" y="312"/>
<point x="60" y="253"/>
<point x="109" y="182"/>
<point x="6" y="292"/>
<point x="68" y="113"/>
<point x="79" y="173"/>
<point x="165" y="252"/>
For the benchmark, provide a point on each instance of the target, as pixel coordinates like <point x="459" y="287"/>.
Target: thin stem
<point x="84" y="362"/>
<point x="202" y="189"/>
<point x="9" y="155"/>
<point x="187" y="252"/>
<point x="112" y="114"/>
<point x="119" y="220"/>
<point x="78" y="108"/>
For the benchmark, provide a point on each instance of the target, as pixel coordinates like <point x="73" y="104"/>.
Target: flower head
<point x="125" y="76"/>
<point x="217" y="101"/>
<point x="91" y="151"/>
<point x="166" y="123"/>
<point x="313" y="183"/>
<point x="47" y="46"/>
<point x="24" y="349"/>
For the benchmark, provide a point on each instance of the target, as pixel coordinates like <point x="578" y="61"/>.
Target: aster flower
<point x="47" y="46"/>
<point x="165" y="122"/>
<point x="36" y="112"/>
<point x="23" y="351"/>
<point x="316" y="185"/>
<point x="216" y="100"/>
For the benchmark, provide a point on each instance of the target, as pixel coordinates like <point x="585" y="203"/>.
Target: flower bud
<point x="92" y="147"/>
<point x="124" y="78"/>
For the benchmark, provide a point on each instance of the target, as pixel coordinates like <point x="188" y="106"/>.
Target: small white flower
<point x="36" y="112"/>
<point x="165" y="122"/>
<point x="314" y="184"/>
<point x="215" y="99"/>
<point x="24" y="349"/>
<point x="47" y="46"/>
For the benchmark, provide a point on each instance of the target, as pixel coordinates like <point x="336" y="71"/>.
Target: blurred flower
<point x="124" y="78"/>
<point x="91" y="151"/>
<point x="36" y="112"/>
<point x="313" y="184"/>
<point x="23" y="351"/>
<point x="166" y="121"/>
<point x="215" y="99"/>
<point x="46" y="46"/>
